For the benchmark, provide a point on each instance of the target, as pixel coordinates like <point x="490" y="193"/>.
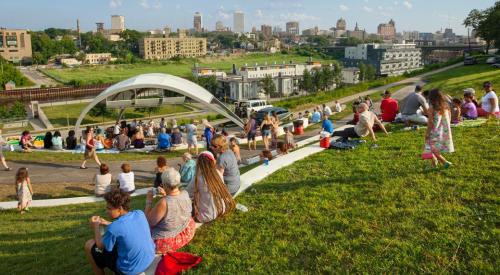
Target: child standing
<point x="23" y="189"/>
<point x="438" y="135"/>
<point x="289" y="141"/>
<point x="233" y="144"/>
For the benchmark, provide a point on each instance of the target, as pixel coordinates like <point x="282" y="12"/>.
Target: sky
<point x="420" y="15"/>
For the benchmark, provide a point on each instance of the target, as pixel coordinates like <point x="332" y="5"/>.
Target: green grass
<point x="59" y="114"/>
<point x="454" y="81"/>
<point x="362" y="211"/>
<point x="115" y="73"/>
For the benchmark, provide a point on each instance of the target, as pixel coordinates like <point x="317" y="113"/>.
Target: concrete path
<point x="37" y="77"/>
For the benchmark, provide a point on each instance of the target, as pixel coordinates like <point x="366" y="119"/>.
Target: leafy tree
<point x="268" y="86"/>
<point x="350" y="41"/>
<point x="362" y="71"/>
<point x="317" y="79"/>
<point x="337" y="74"/>
<point x="320" y="41"/>
<point x="17" y="109"/>
<point x="485" y="23"/>
<point x="370" y="73"/>
<point x="101" y="110"/>
<point x="9" y="73"/>
<point x="209" y="83"/>
<point x="306" y="84"/>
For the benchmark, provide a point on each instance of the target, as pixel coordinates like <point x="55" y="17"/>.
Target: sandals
<point x="8" y="169"/>
<point x="83" y="167"/>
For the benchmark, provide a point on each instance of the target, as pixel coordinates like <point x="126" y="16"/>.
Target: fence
<point x="51" y="94"/>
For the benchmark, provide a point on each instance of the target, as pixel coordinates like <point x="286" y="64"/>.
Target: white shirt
<point x="327" y="111"/>
<point x="485" y="102"/>
<point x="116" y="131"/>
<point x="126" y="181"/>
<point x="338" y="108"/>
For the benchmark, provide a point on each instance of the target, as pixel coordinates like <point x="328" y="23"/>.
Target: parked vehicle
<point x="244" y="108"/>
<point x="470" y="60"/>
<point x="281" y="112"/>
<point x="496" y="65"/>
<point x="492" y="60"/>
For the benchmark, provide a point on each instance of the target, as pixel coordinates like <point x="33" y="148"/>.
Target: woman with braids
<point x="211" y="198"/>
<point x="172" y="226"/>
<point x="438" y="136"/>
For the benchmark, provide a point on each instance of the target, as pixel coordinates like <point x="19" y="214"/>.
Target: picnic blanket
<point x="343" y="144"/>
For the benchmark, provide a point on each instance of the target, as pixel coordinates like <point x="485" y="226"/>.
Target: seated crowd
<point x="197" y="191"/>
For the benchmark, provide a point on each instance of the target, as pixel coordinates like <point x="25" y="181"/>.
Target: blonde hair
<point x="220" y="141"/>
<point x="224" y="202"/>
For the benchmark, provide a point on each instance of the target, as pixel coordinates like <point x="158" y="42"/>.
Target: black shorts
<point x="251" y="136"/>
<point x="104" y="258"/>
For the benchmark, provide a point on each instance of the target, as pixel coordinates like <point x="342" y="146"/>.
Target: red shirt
<point x="389" y="108"/>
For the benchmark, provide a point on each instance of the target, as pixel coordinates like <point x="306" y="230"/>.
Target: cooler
<point x="324" y="142"/>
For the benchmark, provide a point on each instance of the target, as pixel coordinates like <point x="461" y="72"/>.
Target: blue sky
<point x="421" y="15"/>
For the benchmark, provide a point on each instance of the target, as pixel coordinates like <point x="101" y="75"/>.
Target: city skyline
<point x="152" y="14"/>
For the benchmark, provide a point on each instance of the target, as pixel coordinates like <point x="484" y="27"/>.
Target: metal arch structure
<point x="165" y="82"/>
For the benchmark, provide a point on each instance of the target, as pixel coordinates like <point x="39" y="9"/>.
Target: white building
<point x="239" y="22"/>
<point x="350" y="75"/>
<point x="117" y="23"/>
<point x="388" y="59"/>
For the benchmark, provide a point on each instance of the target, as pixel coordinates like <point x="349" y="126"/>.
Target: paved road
<point x="37" y="77"/>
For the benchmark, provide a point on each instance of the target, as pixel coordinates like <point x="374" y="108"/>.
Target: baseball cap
<point x="469" y="91"/>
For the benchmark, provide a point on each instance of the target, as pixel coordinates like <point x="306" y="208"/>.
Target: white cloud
<point x="221" y="13"/>
<point x="297" y="16"/>
<point x="144" y="4"/>
<point x="259" y="14"/>
<point x="115" y="3"/>
<point x="343" y="8"/>
<point x="367" y="9"/>
<point x="408" y="4"/>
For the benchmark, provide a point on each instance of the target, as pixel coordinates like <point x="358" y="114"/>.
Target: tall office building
<point x="341" y="24"/>
<point x="387" y="31"/>
<point x="292" y="27"/>
<point x="198" y="27"/>
<point x="267" y="31"/>
<point x="239" y="22"/>
<point x="99" y="27"/>
<point x="117" y="23"/>
<point x="219" y="26"/>
<point x="15" y="45"/>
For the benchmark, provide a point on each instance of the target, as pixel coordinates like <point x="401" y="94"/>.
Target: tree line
<point x="486" y="23"/>
<point x="9" y="73"/>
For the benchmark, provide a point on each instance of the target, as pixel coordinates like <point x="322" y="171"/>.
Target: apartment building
<point x="98" y="58"/>
<point x="388" y="59"/>
<point x="15" y="45"/>
<point x="165" y="48"/>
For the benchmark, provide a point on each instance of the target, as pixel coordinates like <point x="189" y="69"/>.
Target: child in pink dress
<point x="23" y="189"/>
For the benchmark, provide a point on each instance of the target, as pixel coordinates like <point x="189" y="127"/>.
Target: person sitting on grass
<point x="47" y="140"/>
<point x="24" y="190"/>
<point x="188" y="169"/>
<point x="316" y="116"/>
<point x="438" y="134"/>
<point x="389" y="107"/>
<point x="282" y="148"/>
<point x="266" y="154"/>
<point x="469" y="109"/>
<point x="57" y="142"/>
<point x="164" y="140"/>
<point x="233" y="145"/>
<point x="26" y="141"/>
<point x="126" y="179"/>
<point x="364" y="127"/>
<point x="172" y="226"/>
<point x="456" y="116"/>
<point x="122" y="141"/>
<point x="71" y="140"/>
<point x="176" y="137"/>
<point x="489" y="102"/>
<point x="411" y="110"/>
<point x="227" y="164"/>
<point x="138" y="138"/>
<point x="126" y="247"/>
<point x="338" y="107"/>
<point x="211" y="197"/>
<point x="102" y="180"/>
<point x="100" y="140"/>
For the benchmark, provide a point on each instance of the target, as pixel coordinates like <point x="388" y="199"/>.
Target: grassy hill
<point x="115" y="73"/>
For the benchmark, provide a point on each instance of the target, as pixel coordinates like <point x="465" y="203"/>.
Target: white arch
<point x="166" y="82"/>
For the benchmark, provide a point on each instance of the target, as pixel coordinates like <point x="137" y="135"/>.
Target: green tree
<point x="306" y="83"/>
<point x="370" y="73"/>
<point x="101" y="110"/>
<point x="17" y="109"/>
<point x="9" y="73"/>
<point x="268" y="86"/>
<point x="362" y="71"/>
<point x="209" y="83"/>
<point x="337" y="74"/>
<point x="486" y="24"/>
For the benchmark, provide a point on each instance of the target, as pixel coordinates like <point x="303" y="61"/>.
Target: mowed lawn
<point x="59" y="115"/>
<point x="115" y="73"/>
<point x="361" y="211"/>
<point x="454" y="81"/>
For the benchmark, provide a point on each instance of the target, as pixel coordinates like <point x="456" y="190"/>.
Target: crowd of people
<point x="196" y="191"/>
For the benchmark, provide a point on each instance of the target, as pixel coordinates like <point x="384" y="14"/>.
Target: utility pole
<point x="468" y="38"/>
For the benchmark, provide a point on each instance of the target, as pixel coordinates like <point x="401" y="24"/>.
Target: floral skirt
<point x="173" y="243"/>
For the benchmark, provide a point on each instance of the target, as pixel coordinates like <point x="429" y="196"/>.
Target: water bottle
<point x="266" y="161"/>
<point x="241" y="207"/>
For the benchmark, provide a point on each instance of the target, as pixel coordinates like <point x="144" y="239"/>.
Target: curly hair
<point x="118" y="198"/>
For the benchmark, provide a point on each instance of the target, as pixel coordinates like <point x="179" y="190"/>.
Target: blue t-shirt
<point x="316" y="117"/>
<point x="164" y="141"/>
<point x="327" y="126"/>
<point x="131" y="234"/>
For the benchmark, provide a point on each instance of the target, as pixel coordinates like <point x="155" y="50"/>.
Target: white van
<point x="244" y="108"/>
